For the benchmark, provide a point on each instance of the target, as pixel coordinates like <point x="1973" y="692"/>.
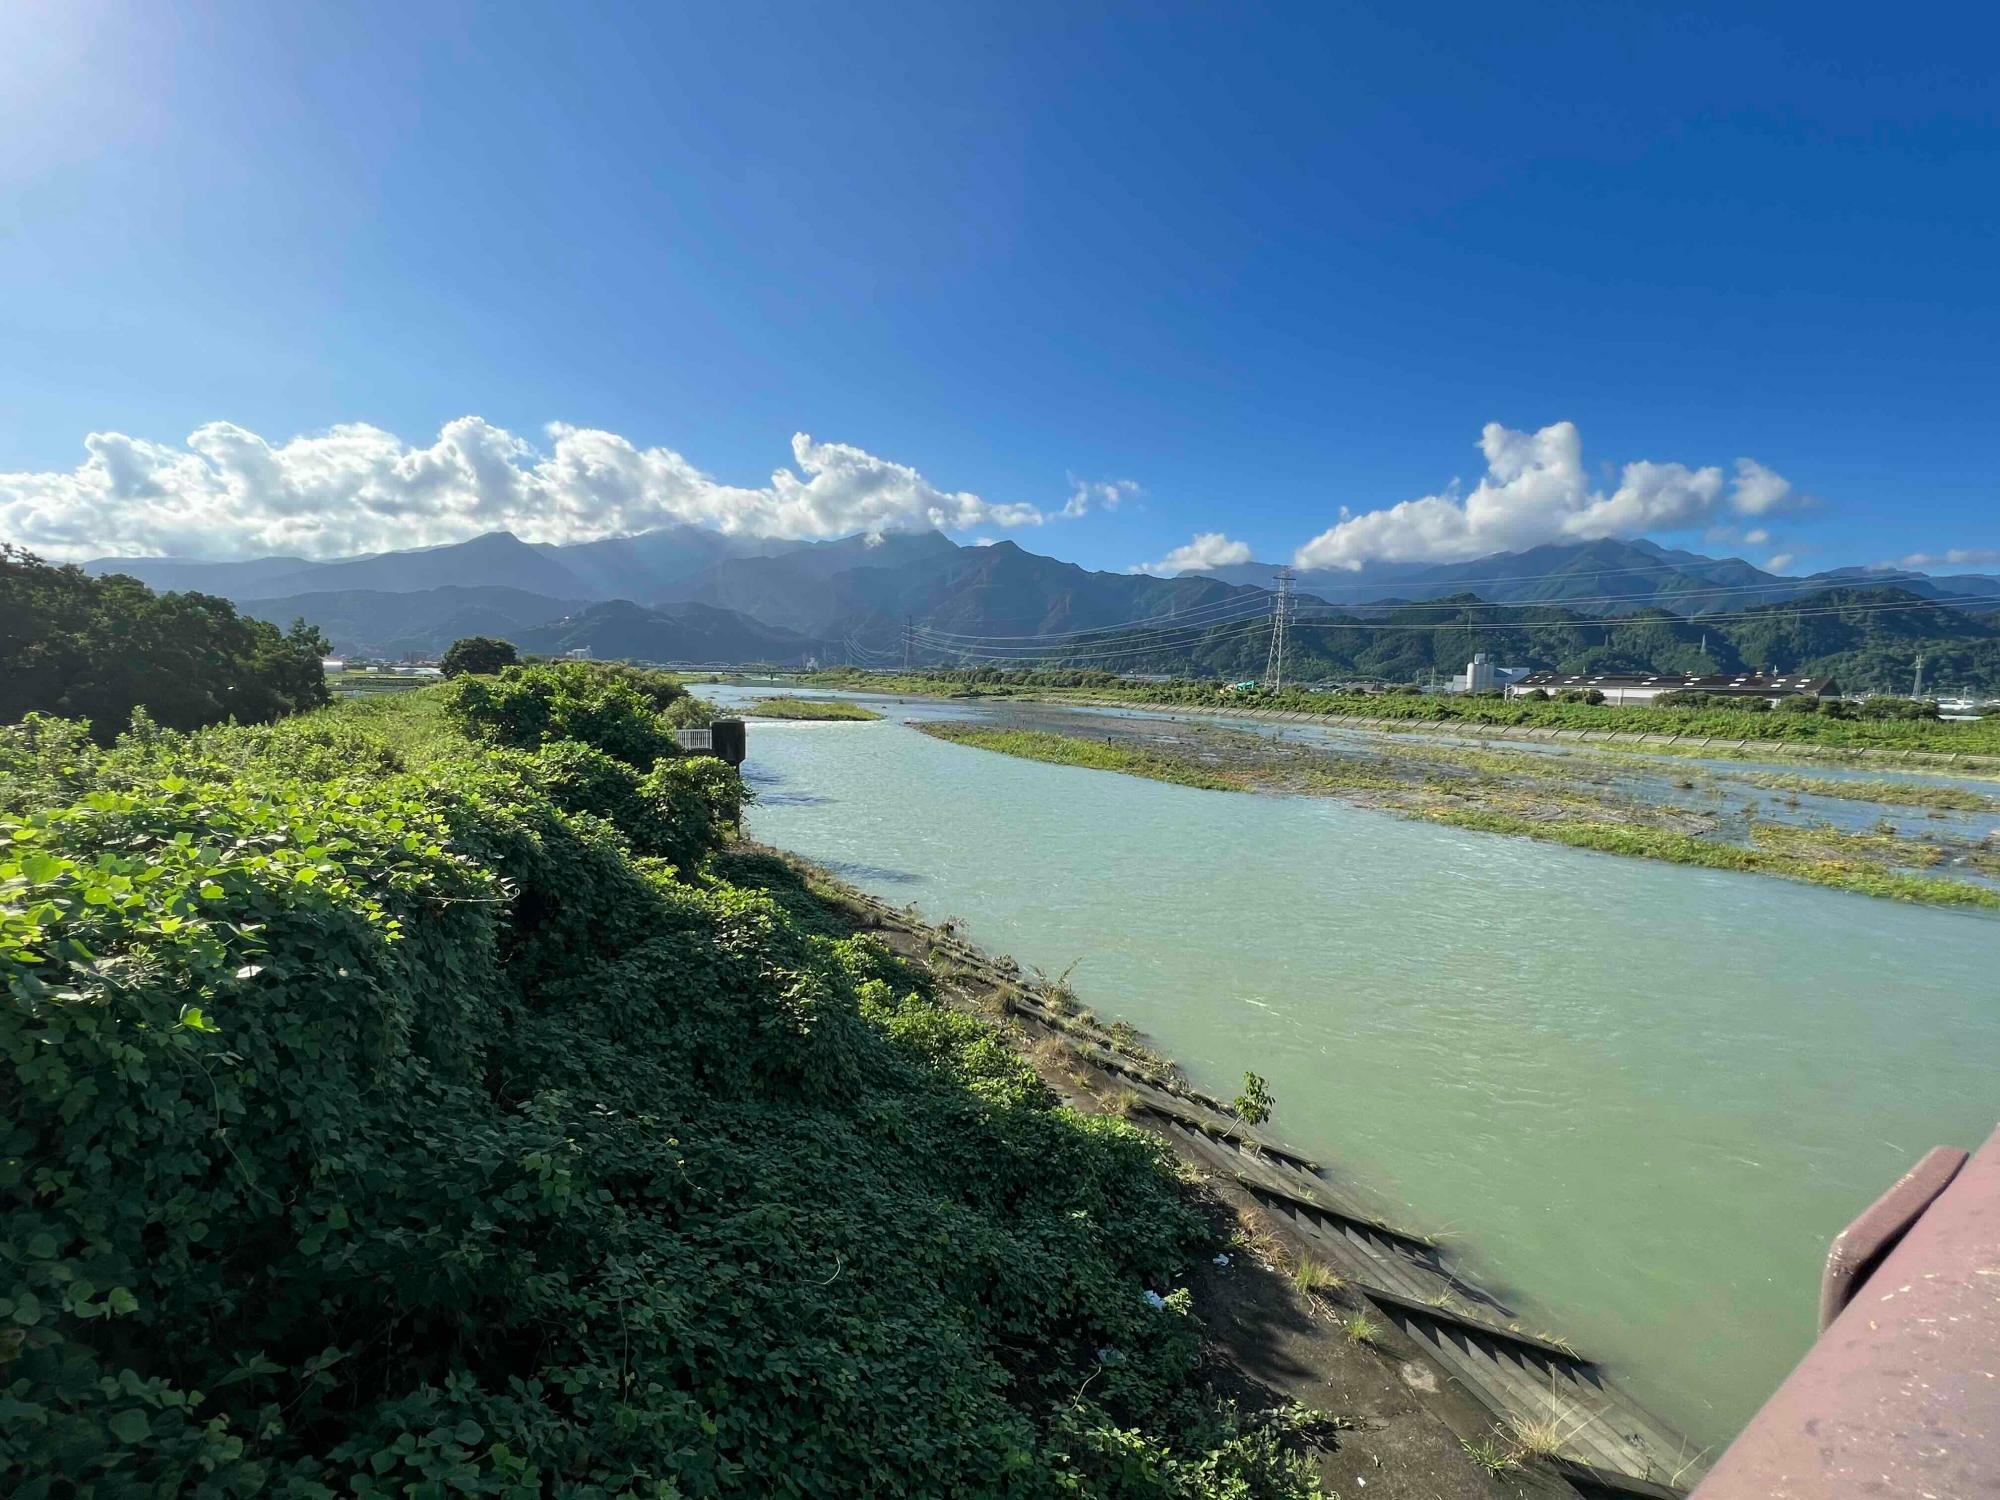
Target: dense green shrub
<point x="1897" y="708"/>
<point x="481" y="654"/>
<point x="526" y="707"/>
<point x="413" y="1134"/>
<point x="97" y="648"/>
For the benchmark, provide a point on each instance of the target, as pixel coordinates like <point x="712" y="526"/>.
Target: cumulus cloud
<point x="1209" y="549"/>
<point x="1780" y="562"/>
<point x="1535" y="491"/>
<point x="355" y="488"/>
<point x="1758" y="491"/>
<point x="1086" y="495"/>
<point x="1955" y="557"/>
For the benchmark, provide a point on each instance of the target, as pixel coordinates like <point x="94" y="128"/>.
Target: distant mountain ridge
<point x="1608" y="576"/>
<point x="685" y="632"/>
<point x="384" y="623"/>
<point x="613" y="567"/>
<point x="849" y="598"/>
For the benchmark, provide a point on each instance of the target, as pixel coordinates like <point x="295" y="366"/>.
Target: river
<point x="1642" y="1096"/>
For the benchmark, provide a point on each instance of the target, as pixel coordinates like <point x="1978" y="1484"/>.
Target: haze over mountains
<point x="687" y="594"/>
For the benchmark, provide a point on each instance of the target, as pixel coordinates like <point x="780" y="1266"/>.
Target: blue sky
<point x="1260" y="262"/>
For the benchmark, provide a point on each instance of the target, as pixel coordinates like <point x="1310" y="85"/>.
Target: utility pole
<point x="1918" y="690"/>
<point x="1274" y="669"/>
<point x="909" y="642"/>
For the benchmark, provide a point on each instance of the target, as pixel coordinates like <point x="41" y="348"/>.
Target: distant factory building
<point x="1481" y="676"/>
<point x="1643" y="690"/>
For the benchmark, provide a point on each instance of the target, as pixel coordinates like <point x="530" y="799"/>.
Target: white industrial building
<point x="1642" y="690"/>
<point x="1481" y="676"/>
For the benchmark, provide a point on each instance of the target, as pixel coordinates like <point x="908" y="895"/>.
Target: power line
<point x="1141" y="639"/>
<point x="1892" y="575"/>
<point x="1085" y="656"/>
<point x="1144" y="643"/>
<point x="1152" y="638"/>
<point x="1081" y="641"/>
<point x="1244" y="606"/>
<point x="1258" y="601"/>
<point x="1720" y="617"/>
<point x="1659" y="601"/>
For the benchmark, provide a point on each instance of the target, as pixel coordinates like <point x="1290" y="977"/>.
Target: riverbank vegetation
<point x="832" y="710"/>
<point x="1558" y="799"/>
<point x="1096" y="755"/>
<point x="1808" y="731"/>
<point x="1896" y="793"/>
<point x="421" y="1096"/>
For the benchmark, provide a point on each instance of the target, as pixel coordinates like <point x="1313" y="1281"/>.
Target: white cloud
<point x="1780" y="562"/>
<point x="1087" y="495"/>
<point x="1756" y="537"/>
<point x="1955" y="557"/>
<point x="1209" y="549"/>
<point x="356" y="488"/>
<point x="1758" y="491"/>
<point x="1535" y="491"/>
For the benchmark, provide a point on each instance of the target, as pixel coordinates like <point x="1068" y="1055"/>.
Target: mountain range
<point x="683" y="593"/>
<point x="1608" y="576"/>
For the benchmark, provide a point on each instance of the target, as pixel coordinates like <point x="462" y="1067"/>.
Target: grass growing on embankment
<point x="829" y="709"/>
<point x="1870" y="864"/>
<point x="1803" y="732"/>
<point x="1096" y="755"/>
<point x="418" y="1097"/>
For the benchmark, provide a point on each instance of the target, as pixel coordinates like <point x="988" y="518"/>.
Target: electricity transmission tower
<point x="1274" y="668"/>
<point x="909" y="642"/>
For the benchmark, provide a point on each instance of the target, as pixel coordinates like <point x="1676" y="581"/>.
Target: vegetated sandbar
<point x="1536" y="797"/>
<point x="1965" y="748"/>
<point x="829" y="709"/>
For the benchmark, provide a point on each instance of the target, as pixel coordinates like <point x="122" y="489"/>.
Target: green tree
<point x="479" y="654"/>
<point x="1255" y="1103"/>
<point x="97" y="648"/>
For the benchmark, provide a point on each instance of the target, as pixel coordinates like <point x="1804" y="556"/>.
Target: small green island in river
<point x="832" y="710"/>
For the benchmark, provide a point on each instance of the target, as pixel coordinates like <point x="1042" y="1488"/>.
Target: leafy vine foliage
<point x="97" y="648"/>
<point x="422" y="1098"/>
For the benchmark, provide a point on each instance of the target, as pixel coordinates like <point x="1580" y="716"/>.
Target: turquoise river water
<point x="1642" y="1096"/>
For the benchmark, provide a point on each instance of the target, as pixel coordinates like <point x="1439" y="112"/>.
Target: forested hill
<point x="97" y="648"/>
<point x="1868" y="638"/>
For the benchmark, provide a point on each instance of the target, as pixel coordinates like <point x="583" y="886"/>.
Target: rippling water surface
<point x="1644" y="1095"/>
